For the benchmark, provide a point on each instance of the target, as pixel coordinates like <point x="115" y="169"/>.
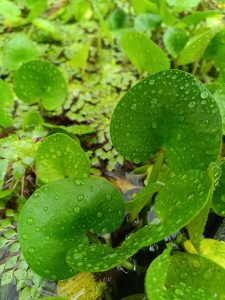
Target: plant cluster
<point x="64" y="134"/>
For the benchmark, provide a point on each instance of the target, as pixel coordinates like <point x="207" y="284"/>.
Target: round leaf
<point x="173" y="111"/>
<point x="40" y="80"/>
<point x="18" y="50"/>
<point x="144" y="53"/>
<point x="55" y="218"/>
<point x="59" y="156"/>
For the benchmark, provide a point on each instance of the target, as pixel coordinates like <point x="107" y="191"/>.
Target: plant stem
<point x="128" y="265"/>
<point x="156" y="168"/>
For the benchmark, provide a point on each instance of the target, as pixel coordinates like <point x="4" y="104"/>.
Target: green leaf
<point x="40" y="80"/>
<point x="174" y="207"/>
<point x="192" y="126"/>
<point x="48" y="27"/>
<point x="32" y="120"/>
<point x="18" y="50"/>
<point x="80" y="58"/>
<point x="174" y="40"/>
<point x="144" y="53"/>
<point x="156" y="276"/>
<point x="6" y="105"/>
<point x="183" y="5"/>
<point x="188" y="277"/>
<point x="198" y="16"/>
<point x="196" y="46"/>
<point x="68" y="209"/>
<point x="3" y="170"/>
<point x="118" y="19"/>
<point x="6" y="278"/>
<point x="141" y="199"/>
<point x="9" y="11"/>
<point x="58" y="157"/>
<point x="147" y="22"/>
<point x="218" y="202"/>
<point x="144" y="6"/>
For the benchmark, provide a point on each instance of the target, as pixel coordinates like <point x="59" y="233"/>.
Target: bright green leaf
<point x="58" y="157"/>
<point x="18" y="50"/>
<point x="139" y="128"/>
<point x="144" y="53"/>
<point x="174" y="40"/>
<point x="40" y="80"/>
<point x="88" y="203"/>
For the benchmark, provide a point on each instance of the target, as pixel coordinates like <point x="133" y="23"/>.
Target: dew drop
<point x="30" y="221"/>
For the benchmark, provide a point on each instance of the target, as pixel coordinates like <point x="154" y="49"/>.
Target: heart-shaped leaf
<point x="59" y="156"/>
<point x="6" y="105"/>
<point x="40" y="81"/>
<point x="144" y="53"/>
<point x="188" y="277"/>
<point x="177" y="204"/>
<point x="139" y="127"/>
<point x="18" y="50"/>
<point x="58" y="215"/>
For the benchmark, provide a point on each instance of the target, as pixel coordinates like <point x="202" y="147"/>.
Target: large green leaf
<point x="144" y="53"/>
<point x="57" y="216"/>
<point x="59" y="156"/>
<point x="188" y="277"/>
<point x="40" y="80"/>
<point x="196" y="46"/>
<point x="172" y="111"/>
<point x="6" y="105"/>
<point x="18" y="50"/>
<point x="176" y="205"/>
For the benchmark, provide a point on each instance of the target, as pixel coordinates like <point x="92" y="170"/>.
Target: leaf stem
<point x="156" y="168"/>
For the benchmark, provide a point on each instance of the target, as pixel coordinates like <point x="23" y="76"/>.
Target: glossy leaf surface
<point x="40" y="80"/>
<point x="174" y="40"/>
<point x="189" y="277"/>
<point x="57" y="216"/>
<point x="139" y="128"/>
<point x="59" y="156"/>
<point x="6" y="104"/>
<point x="218" y="202"/>
<point x="176" y="205"/>
<point x="144" y="53"/>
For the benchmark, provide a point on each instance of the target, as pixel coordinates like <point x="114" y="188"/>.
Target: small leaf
<point x="58" y="157"/>
<point x="183" y="5"/>
<point x="147" y="22"/>
<point x="82" y="286"/>
<point x="6" y="278"/>
<point x="139" y="128"/>
<point x="144" y="53"/>
<point x="80" y="57"/>
<point x="88" y="203"/>
<point x="198" y="16"/>
<point x="32" y="120"/>
<point x="18" y="50"/>
<point x="40" y="80"/>
<point x="3" y="170"/>
<point x="196" y="46"/>
<point x="174" y="40"/>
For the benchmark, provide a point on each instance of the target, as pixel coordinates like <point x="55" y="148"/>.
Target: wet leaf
<point x="144" y="53"/>
<point x="59" y="156"/>
<point x="18" y="50"/>
<point x="68" y="209"/>
<point x="144" y="130"/>
<point x="6" y="105"/>
<point x="218" y="202"/>
<point x="40" y="80"/>
<point x="209" y="248"/>
<point x="175" y="211"/>
<point x="174" y="40"/>
<point x="188" y="277"/>
<point x="196" y="46"/>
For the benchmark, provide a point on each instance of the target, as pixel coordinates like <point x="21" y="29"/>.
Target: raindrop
<point x="134" y="106"/>
<point x="30" y="221"/>
<point x="204" y="95"/>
